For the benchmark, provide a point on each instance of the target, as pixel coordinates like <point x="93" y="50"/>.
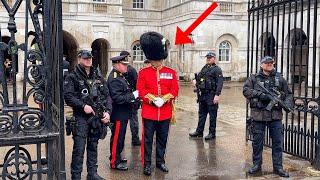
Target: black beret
<point x="153" y="45"/>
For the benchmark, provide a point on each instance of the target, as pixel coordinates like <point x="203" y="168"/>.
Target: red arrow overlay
<point x="182" y="37"/>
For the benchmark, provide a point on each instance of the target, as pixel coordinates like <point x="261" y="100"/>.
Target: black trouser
<point x="162" y="129"/>
<point x="276" y="133"/>
<point x="80" y="139"/>
<point x="117" y="141"/>
<point x="204" y="109"/>
<point x="134" y="125"/>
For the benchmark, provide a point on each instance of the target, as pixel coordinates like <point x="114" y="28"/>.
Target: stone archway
<point x="70" y="48"/>
<point x="100" y="48"/>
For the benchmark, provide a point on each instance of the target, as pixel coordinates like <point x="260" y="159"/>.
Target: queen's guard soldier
<point x="158" y="87"/>
<point x="87" y="93"/>
<point x="268" y="93"/>
<point x="209" y="84"/>
<point x="122" y="99"/>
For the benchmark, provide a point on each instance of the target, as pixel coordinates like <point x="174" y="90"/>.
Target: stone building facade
<point x="110" y="26"/>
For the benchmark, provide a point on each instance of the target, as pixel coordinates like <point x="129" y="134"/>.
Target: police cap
<point x="84" y="54"/>
<point x="120" y="59"/>
<point x="210" y="54"/>
<point x="266" y="59"/>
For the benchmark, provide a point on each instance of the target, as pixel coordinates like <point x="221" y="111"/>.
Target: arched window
<point x="137" y="52"/>
<point x="138" y="4"/>
<point x="225" y="51"/>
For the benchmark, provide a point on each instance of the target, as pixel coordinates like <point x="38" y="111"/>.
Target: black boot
<point x="281" y="172"/>
<point x="147" y="170"/>
<point x="121" y="167"/>
<point x="163" y="167"/>
<point x="94" y="176"/>
<point x="76" y="176"/>
<point x="196" y="134"/>
<point x="254" y="169"/>
<point x="210" y="136"/>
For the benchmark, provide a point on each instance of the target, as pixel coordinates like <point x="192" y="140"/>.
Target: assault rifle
<point x="275" y="99"/>
<point x="197" y="90"/>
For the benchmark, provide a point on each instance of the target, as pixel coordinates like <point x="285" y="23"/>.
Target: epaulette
<point x="115" y="74"/>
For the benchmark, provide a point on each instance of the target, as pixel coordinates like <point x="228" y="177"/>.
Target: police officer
<point x="131" y="75"/>
<point x="158" y="87"/>
<point x="259" y="100"/>
<point x="209" y="82"/>
<point x="77" y="85"/>
<point x="122" y="98"/>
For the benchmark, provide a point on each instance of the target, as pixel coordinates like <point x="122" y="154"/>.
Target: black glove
<point x="265" y="97"/>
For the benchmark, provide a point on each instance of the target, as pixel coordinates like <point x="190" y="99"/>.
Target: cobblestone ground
<point x="227" y="157"/>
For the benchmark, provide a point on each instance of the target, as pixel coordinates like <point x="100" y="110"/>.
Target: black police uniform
<point x="209" y="83"/>
<point x="262" y="117"/>
<point x="76" y="85"/>
<point x="122" y="98"/>
<point x="132" y="77"/>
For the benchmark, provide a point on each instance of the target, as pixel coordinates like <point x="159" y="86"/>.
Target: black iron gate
<point x="287" y="30"/>
<point x="31" y="105"/>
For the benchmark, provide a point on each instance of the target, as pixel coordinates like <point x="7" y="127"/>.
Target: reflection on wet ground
<point x="226" y="157"/>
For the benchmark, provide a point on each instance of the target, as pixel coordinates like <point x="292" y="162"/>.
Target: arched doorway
<point x="268" y="43"/>
<point x="8" y="64"/>
<point x="100" y="48"/>
<point x="298" y="55"/>
<point x="70" y="47"/>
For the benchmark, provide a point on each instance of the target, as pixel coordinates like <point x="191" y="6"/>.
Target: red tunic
<point x="157" y="82"/>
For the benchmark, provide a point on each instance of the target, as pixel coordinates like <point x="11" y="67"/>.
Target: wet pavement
<point x="226" y="157"/>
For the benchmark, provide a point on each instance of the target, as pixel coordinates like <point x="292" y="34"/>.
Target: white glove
<point x="158" y="102"/>
<point x="135" y="94"/>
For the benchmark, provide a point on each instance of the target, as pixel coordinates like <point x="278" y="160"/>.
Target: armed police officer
<point x="122" y="98"/>
<point x="83" y="90"/>
<point x="262" y="90"/>
<point x="131" y="75"/>
<point x="158" y="87"/>
<point x="209" y="84"/>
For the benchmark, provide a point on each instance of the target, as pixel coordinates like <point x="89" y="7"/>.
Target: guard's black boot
<point x="147" y="170"/>
<point x="163" y="167"/>
<point x="254" y="169"/>
<point x="196" y="134"/>
<point x="281" y="172"/>
<point x="121" y="167"/>
<point x="124" y="160"/>
<point x="94" y="176"/>
<point x="210" y="136"/>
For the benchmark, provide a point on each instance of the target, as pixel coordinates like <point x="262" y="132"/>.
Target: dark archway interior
<point x="269" y="46"/>
<point x="70" y="47"/>
<point x="8" y="59"/>
<point x="298" y="63"/>
<point x="100" y="55"/>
